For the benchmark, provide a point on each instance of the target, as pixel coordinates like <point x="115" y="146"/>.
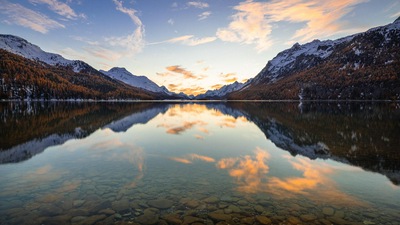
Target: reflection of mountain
<point x="27" y="129"/>
<point x="359" y="134"/>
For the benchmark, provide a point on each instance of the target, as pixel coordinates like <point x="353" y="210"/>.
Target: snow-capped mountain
<point x="223" y="91"/>
<point x="359" y="66"/>
<point x="142" y="82"/>
<point x="27" y="50"/>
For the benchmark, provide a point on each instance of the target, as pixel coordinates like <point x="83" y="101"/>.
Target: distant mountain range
<point x="364" y="66"/>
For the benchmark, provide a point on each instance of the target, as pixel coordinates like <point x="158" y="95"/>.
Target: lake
<point x="199" y="163"/>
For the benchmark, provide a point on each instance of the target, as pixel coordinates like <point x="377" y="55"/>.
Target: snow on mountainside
<point x="27" y="50"/>
<point x="305" y="56"/>
<point x="142" y="82"/>
<point x="223" y="91"/>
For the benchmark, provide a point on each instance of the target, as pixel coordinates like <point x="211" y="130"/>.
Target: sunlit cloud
<point x="60" y="8"/>
<point x="198" y="4"/>
<point x="252" y="23"/>
<point x="204" y="15"/>
<point x="178" y="69"/>
<point x="216" y="86"/>
<point x="22" y="16"/>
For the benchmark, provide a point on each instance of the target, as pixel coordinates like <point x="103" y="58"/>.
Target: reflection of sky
<point x="196" y="137"/>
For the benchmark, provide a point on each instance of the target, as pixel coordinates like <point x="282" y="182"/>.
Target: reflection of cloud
<point x="228" y="122"/>
<point x="312" y="177"/>
<point x="188" y="159"/>
<point x="197" y="136"/>
<point x="248" y="171"/>
<point x="251" y="175"/>
<point x="180" y="129"/>
<point x="204" y="130"/>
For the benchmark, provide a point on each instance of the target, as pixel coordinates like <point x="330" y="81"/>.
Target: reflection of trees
<point x="362" y="134"/>
<point x="22" y="122"/>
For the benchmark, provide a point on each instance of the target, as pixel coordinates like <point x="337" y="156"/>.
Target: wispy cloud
<point x="229" y="77"/>
<point x="178" y="69"/>
<point x="198" y="4"/>
<point x="171" y="21"/>
<point x="22" y="16"/>
<point x="252" y="23"/>
<point x="134" y="42"/>
<point x="60" y="8"/>
<point x="188" y="40"/>
<point x="204" y="15"/>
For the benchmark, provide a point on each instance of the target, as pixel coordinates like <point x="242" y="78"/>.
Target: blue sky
<point x="188" y="46"/>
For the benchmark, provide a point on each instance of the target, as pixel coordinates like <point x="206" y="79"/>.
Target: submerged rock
<point x="161" y="203"/>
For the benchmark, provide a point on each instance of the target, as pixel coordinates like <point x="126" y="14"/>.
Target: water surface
<point x="234" y="163"/>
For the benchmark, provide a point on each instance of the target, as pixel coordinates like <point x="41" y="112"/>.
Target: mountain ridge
<point x="361" y="66"/>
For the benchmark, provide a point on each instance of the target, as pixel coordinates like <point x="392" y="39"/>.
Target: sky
<point x="188" y="46"/>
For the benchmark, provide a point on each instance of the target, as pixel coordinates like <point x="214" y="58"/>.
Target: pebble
<point x="161" y="203"/>
<point x="219" y="216"/>
<point x="263" y="220"/>
<point x="211" y="200"/>
<point x="328" y="211"/>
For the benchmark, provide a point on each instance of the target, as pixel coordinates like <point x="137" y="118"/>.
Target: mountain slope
<point x="21" y="78"/>
<point x="27" y="72"/>
<point x="142" y="82"/>
<point x="27" y="50"/>
<point x="361" y="66"/>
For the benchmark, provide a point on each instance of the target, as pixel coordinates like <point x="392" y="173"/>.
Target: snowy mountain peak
<point x="122" y="74"/>
<point x="28" y="50"/>
<point x="221" y="92"/>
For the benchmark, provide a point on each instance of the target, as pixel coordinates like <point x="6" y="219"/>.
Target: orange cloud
<point x="216" y="86"/>
<point x="178" y="69"/>
<point x="230" y="80"/>
<point x="253" y="21"/>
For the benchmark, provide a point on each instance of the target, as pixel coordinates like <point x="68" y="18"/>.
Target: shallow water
<point x="235" y="163"/>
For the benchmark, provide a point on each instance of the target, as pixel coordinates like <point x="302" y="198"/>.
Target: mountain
<point x="221" y="92"/>
<point x="363" y="66"/>
<point x="27" y="72"/>
<point x="141" y="82"/>
<point x="27" y="50"/>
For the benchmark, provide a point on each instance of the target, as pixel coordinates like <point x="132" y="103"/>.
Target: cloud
<point x="229" y="77"/>
<point x="204" y="15"/>
<point x="178" y="69"/>
<point x="198" y="4"/>
<point x="19" y="15"/>
<point x="60" y="8"/>
<point x="188" y="40"/>
<point x="217" y="86"/>
<point x="133" y="43"/>
<point x="252" y="23"/>
<point x="171" y="21"/>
